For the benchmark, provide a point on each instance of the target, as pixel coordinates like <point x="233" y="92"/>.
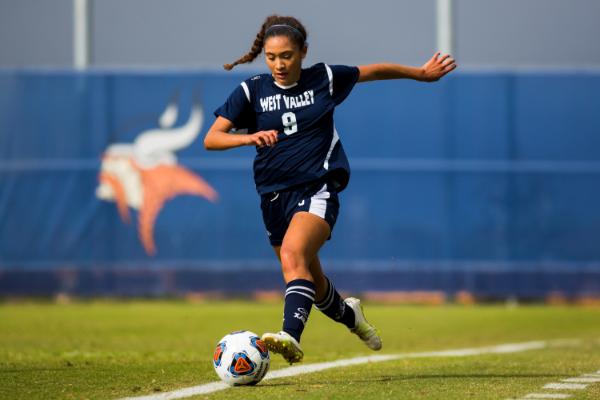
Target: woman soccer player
<point x="300" y="165"/>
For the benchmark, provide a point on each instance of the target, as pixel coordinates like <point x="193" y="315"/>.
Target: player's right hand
<point x="263" y="138"/>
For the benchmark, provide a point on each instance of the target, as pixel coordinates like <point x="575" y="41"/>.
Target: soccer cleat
<point x="363" y="329"/>
<point x="285" y="345"/>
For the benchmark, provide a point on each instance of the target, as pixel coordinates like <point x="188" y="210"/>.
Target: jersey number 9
<point x="290" y="126"/>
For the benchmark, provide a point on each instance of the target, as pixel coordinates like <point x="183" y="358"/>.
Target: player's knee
<point x="293" y="261"/>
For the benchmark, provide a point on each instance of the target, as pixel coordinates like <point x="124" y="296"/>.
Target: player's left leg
<point x="348" y="312"/>
<point x="328" y="300"/>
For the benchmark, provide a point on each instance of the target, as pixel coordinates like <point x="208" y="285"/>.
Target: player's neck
<point x="279" y="85"/>
<point x="288" y="85"/>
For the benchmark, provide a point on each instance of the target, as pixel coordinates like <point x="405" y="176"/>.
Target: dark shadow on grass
<point x="387" y="378"/>
<point x="34" y="369"/>
<point x="390" y="378"/>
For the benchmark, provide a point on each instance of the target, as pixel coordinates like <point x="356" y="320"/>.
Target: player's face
<point x="284" y="59"/>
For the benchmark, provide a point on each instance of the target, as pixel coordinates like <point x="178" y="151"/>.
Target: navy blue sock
<point x="299" y="298"/>
<point x="334" y="307"/>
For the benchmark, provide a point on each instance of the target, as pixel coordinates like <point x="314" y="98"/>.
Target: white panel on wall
<point x="210" y="33"/>
<point x="35" y="33"/>
<point x="527" y="33"/>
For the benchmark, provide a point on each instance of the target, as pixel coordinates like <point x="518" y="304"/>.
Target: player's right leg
<point x="303" y="239"/>
<point x="282" y="342"/>
<point x="285" y="344"/>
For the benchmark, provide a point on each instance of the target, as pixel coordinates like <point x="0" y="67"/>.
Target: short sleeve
<point x="237" y="108"/>
<point x="343" y="79"/>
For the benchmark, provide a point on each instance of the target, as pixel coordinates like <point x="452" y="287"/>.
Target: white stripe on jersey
<point x="246" y="90"/>
<point x="318" y="203"/>
<point x="330" y="76"/>
<point x="334" y="141"/>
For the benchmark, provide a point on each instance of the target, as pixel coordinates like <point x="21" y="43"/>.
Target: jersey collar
<point x="285" y="87"/>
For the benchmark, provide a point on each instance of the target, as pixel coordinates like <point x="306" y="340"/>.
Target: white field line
<point x="310" y="368"/>
<point x="563" y="386"/>
<point x="567" y="384"/>
<point x="583" y="379"/>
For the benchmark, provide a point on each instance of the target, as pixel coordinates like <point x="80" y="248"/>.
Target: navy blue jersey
<point x="308" y="146"/>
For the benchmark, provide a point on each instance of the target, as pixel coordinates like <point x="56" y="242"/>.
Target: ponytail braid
<point x="259" y="41"/>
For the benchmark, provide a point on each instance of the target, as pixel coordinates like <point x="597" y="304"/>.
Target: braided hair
<point x="274" y="25"/>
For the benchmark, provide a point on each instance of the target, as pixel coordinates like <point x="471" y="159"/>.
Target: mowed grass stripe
<point x="311" y="368"/>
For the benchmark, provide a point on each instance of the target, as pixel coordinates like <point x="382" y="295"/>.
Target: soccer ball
<point x="241" y="358"/>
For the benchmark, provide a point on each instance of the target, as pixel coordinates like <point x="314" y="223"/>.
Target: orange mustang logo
<point x="145" y="175"/>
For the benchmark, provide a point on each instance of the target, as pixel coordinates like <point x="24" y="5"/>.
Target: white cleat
<point x="362" y="328"/>
<point x="283" y="343"/>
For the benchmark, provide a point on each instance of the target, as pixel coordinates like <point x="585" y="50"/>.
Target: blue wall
<point x="491" y="178"/>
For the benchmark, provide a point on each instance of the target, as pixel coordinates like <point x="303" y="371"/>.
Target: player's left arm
<point x="434" y="69"/>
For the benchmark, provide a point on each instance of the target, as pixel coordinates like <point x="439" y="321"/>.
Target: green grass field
<point x="108" y="350"/>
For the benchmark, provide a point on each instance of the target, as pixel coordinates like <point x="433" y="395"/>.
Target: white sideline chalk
<point x="569" y="386"/>
<point x="547" y="396"/>
<point x="583" y="379"/>
<point x="309" y="368"/>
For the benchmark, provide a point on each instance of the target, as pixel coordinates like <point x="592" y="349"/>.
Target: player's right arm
<point x="219" y="138"/>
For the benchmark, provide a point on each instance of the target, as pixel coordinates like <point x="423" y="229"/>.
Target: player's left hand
<point x="438" y="66"/>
